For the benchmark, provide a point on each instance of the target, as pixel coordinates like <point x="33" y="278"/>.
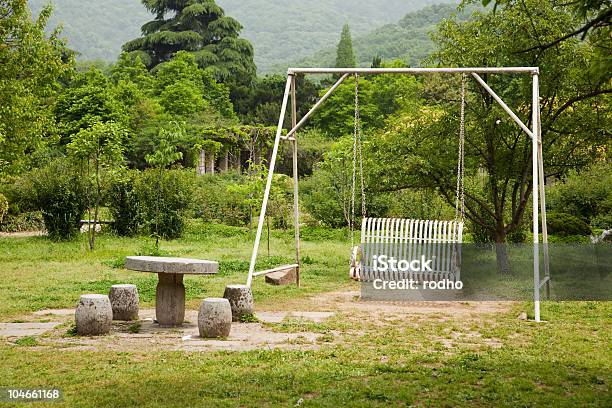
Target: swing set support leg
<point x="296" y="203"/>
<point x="264" y="204"/>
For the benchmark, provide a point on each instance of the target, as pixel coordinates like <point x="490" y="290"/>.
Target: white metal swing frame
<point x="534" y="133"/>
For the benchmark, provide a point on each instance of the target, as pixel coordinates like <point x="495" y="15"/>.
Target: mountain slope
<point x="408" y="40"/>
<point x="281" y="31"/>
<point x="284" y="31"/>
<point x="96" y="29"/>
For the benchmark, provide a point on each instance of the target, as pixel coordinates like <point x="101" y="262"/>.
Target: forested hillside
<point x="285" y="31"/>
<point x="96" y="29"/>
<point x="408" y="40"/>
<point x="281" y="32"/>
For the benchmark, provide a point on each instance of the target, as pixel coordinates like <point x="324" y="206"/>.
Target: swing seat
<point x="408" y="239"/>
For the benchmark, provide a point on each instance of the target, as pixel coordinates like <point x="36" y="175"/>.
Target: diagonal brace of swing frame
<point x="503" y="104"/>
<point x="315" y="107"/>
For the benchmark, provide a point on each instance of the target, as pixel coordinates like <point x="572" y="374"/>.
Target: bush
<point x="215" y="201"/>
<point x="123" y="204"/>
<point x="4" y="206"/>
<point x="587" y="195"/>
<point x="60" y="193"/>
<point x="420" y="204"/>
<point x="569" y="239"/>
<point x="163" y="200"/>
<point x="564" y="225"/>
<point x="602" y="221"/>
<point x="25" y="221"/>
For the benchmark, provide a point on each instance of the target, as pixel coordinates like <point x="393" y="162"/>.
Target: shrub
<point x="215" y="200"/>
<point x="4" y="206"/>
<point x="602" y="221"/>
<point x="163" y="200"/>
<point x="123" y="204"/>
<point x="19" y="191"/>
<point x="587" y="195"/>
<point x="569" y="239"/>
<point x="60" y="193"/>
<point x="25" y="221"/>
<point x="420" y="204"/>
<point x="564" y="225"/>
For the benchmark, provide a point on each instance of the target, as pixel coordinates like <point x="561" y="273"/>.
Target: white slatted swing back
<point x="411" y="240"/>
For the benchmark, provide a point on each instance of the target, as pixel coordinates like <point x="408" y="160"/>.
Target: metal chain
<point x="359" y="152"/>
<point x="460" y="193"/>
<point x="355" y="133"/>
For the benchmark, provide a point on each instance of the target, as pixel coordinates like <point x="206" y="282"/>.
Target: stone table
<point x="170" y="292"/>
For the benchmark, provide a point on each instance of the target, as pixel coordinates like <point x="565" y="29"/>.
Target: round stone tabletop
<point x="159" y="264"/>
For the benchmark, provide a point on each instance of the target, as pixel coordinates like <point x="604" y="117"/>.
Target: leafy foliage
<point x="100" y="152"/>
<point x="61" y="194"/>
<point x="4" y="207"/>
<point x="87" y="100"/>
<point x="379" y="96"/>
<point x="163" y="200"/>
<point x="586" y="195"/>
<point x="564" y="224"/>
<point x="123" y="204"/>
<point x="30" y="69"/>
<point x="260" y="103"/>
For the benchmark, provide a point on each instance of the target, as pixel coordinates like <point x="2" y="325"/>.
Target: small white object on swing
<point x="408" y="239"/>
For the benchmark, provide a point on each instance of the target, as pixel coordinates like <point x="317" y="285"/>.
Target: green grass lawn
<point x="493" y="360"/>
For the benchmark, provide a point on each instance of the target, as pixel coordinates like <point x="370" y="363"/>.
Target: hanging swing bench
<point x="407" y="239"/>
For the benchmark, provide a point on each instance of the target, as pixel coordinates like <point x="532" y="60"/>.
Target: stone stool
<point x="215" y="318"/>
<point x="241" y="300"/>
<point x="93" y="315"/>
<point x="124" y="301"/>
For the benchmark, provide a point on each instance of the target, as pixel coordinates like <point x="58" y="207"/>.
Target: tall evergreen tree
<point x="199" y="27"/>
<point x="345" y="58"/>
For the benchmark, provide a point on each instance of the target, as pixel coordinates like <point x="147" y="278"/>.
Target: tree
<point x="31" y="69"/>
<point x="88" y="99"/>
<point x="182" y="78"/>
<point x="379" y="97"/>
<point x="262" y="103"/>
<point x="420" y="150"/>
<point x="345" y="58"/>
<point x="99" y="148"/>
<point x="201" y="28"/>
<point x="376" y="61"/>
<point x="594" y="20"/>
<point x="163" y="157"/>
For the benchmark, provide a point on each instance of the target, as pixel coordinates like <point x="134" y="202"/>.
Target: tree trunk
<point x="501" y="253"/>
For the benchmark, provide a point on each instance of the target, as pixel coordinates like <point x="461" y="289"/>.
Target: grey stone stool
<point x="124" y="301"/>
<point x="93" y="315"/>
<point x="241" y="300"/>
<point x="215" y="318"/>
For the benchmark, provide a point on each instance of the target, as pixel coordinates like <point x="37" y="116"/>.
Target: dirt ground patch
<point x="22" y="234"/>
<point x="268" y="332"/>
<point x="348" y="301"/>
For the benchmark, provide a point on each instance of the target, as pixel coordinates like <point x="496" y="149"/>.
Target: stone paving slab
<point x="26" y="329"/>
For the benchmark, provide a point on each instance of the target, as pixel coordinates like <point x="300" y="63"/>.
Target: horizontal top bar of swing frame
<point x="481" y="70"/>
